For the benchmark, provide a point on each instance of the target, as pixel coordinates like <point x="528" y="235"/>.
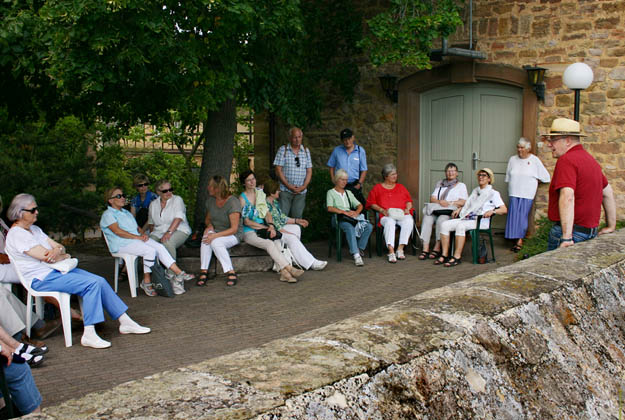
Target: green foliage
<point x="316" y="209"/>
<point x="405" y="32"/>
<point x="116" y="169"/>
<point x="537" y="244"/>
<point x="54" y="164"/>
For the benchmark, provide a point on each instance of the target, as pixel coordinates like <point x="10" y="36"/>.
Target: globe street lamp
<point x="576" y="77"/>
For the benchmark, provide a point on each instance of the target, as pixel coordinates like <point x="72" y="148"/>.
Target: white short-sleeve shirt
<point x="459" y="192"/>
<point x="163" y="218"/>
<point x="522" y="176"/>
<point x="18" y="242"/>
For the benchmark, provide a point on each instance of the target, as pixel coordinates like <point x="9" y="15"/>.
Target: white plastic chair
<point x="62" y="298"/>
<point x="131" y="266"/>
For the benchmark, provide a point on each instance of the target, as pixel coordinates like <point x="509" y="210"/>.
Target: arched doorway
<point x="455" y="111"/>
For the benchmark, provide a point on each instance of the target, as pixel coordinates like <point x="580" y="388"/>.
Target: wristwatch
<point x="566" y="240"/>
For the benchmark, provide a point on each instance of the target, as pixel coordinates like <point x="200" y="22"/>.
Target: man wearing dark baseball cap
<point x="353" y="159"/>
<point x="578" y="188"/>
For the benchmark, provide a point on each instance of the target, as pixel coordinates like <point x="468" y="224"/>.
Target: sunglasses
<point x="480" y="175"/>
<point x="166" y="191"/>
<point x="33" y="210"/>
<point x="118" y="196"/>
<point x="297" y="161"/>
<point x="145" y="184"/>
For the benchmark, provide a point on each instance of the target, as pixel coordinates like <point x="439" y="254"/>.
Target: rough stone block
<point x="578" y="26"/>
<point x="608" y="62"/>
<point x="564" y="100"/>
<point x="607" y="23"/>
<point x="597" y="96"/>
<point x="616" y="93"/>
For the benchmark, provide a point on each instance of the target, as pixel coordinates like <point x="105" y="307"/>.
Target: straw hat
<point x="490" y="173"/>
<point x="564" y="127"/>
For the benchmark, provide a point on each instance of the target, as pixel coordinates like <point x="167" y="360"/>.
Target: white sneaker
<point x="185" y="276"/>
<point x="392" y="258"/>
<point x="318" y="265"/>
<point x="133" y="329"/>
<point x="358" y="261"/>
<point x="94" y="342"/>
<point x="400" y="254"/>
<point x="178" y="286"/>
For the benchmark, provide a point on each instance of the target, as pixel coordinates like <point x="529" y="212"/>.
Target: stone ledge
<point x="245" y="259"/>
<point x="540" y="338"/>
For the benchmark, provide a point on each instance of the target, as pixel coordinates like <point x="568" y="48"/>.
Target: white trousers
<point x="13" y="312"/>
<point x="272" y="248"/>
<point x="220" y="247"/>
<point x="291" y="235"/>
<point x="406" y="224"/>
<point x="459" y="225"/>
<point x="148" y="251"/>
<point x="8" y="274"/>
<point x="426" y="226"/>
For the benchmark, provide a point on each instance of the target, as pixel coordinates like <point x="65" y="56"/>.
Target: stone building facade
<point x="512" y="33"/>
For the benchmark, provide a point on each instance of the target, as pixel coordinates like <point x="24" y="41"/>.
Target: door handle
<point x="474" y="159"/>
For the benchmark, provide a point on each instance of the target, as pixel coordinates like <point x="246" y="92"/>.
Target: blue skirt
<point x="518" y="212"/>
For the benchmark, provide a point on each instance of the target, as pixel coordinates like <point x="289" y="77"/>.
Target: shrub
<point x="316" y="210"/>
<point x="54" y="164"/>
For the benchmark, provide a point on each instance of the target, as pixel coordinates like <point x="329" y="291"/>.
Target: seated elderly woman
<point x="223" y="229"/>
<point x="290" y="228"/>
<point x="31" y="250"/>
<point x="484" y="201"/>
<point x="123" y="235"/>
<point x="393" y="201"/>
<point x="448" y="195"/>
<point x="140" y="203"/>
<point x="167" y="218"/>
<point x="257" y="233"/>
<point x="351" y="221"/>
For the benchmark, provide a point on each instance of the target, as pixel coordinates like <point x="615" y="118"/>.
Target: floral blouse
<point x="279" y="218"/>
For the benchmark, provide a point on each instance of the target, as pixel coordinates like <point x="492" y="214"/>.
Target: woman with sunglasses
<point x="140" y="203"/>
<point x="167" y="218"/>
<point x="123" y="235"/>
<point x="30" y="249"/>
<point x="484" y="201"/>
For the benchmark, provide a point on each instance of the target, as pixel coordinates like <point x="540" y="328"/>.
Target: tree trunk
<point x="219" y="130"/>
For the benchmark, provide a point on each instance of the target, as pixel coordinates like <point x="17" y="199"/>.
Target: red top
<point x="578" y="170"/>
<point x="395" y="198"/>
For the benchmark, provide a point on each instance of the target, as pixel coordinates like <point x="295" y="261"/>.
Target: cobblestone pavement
<point x="216" y="319"/>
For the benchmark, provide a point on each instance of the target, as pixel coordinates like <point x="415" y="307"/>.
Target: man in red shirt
<point x="578" y="188"/>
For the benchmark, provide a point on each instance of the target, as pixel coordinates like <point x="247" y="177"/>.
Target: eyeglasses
<point x="118" y="196"/>
<point x="555" y="138"/>
<point x="32" y="211"/>
<point x="166" y="191"/>
<point x="145" y="184"/>
<point x="297" y="161"/>
<point x="480" y="175"/>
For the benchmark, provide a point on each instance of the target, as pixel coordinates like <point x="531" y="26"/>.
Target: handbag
<point x="442" y="212"/>
<point x="264" y="234"/>
<point x="348" y="219"/>
<point x="396" y="214"/>
<point x="435" y="209"/>
<point x="64" y="266"/>
<point x="160" y="282"/>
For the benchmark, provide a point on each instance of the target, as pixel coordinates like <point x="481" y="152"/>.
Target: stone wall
<point x="548" y="33"/>
<point x="542" y="338"/>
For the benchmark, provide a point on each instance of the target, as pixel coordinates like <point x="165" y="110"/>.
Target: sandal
<point x="201" y="281"/>
<point x="232" y="279"/>
<point x="434" y="255"/>
<point x="423" y="255"/>
<point x="515" y="248"/>
<point x="148" y="288"/>
<point x="441" y="260"/>
<point x="453" y="261"/>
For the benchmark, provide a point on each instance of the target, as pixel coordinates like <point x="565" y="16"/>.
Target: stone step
<point x="245" y="259"/>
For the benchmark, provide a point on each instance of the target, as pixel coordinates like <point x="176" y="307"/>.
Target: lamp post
<point x="577" y="76"/>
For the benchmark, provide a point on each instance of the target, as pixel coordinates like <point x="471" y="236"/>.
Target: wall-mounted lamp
<point x="577" y="76"/>
<point x="536" y="77"/>
<point x="389" y="85"/>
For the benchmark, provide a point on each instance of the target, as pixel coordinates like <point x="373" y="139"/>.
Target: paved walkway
<point x="215" y="320"/>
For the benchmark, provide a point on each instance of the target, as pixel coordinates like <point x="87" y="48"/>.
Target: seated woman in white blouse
<point x="449" y="193"/>
<point x="167" y="218"/>
<point x="30" y="249"/>
<point x="484" y="201"/>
